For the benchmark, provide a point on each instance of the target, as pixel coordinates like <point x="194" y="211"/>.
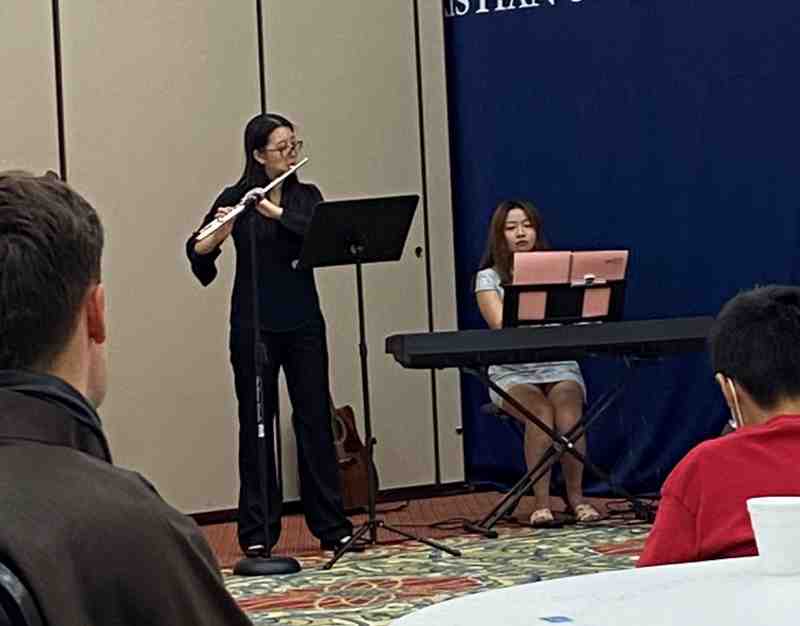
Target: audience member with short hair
<point x="755" y="353"/>
<point x="95" y="544"/>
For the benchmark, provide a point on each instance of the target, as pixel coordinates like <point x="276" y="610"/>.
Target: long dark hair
<point x="497" y="254"/>
<point x="256" y="137"/>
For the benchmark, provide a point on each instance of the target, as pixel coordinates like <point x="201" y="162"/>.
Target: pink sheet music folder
<point x="597" y="266"/>
<point x="539" y="268"/>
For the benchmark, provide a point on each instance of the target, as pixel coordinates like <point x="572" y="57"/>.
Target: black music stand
<point x="355" y="232"/>
<point x="564" y="302"/>
<point x="563" y="305"/>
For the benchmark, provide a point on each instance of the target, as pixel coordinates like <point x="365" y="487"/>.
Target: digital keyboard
<point x="480" y="348"/>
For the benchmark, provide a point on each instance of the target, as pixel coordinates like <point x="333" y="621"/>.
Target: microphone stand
<point x="262" y="565"/>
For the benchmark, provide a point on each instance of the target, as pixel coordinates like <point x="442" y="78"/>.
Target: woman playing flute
<point x="292" y="328"/>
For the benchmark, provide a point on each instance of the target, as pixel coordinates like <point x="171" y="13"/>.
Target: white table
<point x="727" y="592"/>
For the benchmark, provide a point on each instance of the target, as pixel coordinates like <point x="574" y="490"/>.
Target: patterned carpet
<point x="386" y="582"/>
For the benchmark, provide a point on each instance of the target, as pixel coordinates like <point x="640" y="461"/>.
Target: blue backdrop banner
<point x="667" y="128"/>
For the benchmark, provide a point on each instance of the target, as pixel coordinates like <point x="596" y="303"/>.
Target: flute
<point x="255" y="193"/>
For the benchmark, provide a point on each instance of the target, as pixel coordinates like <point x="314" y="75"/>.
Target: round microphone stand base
<point x="266" y="566"/>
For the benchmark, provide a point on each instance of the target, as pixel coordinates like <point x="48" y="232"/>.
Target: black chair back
<point x="17" y="606"/>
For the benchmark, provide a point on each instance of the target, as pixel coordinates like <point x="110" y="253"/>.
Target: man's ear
<point x="96" y="313"/>
<point x="259" y="156"/>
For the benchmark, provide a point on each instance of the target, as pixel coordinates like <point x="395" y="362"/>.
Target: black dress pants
<point x="303" y="354"/>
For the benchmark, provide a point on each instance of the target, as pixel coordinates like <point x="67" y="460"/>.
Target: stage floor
<point x="425" y="518"/>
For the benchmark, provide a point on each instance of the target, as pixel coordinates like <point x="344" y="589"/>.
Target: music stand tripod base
<point x="372" y="527"/>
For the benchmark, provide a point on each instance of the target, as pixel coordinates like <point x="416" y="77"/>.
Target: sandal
<point x="542" y="518"/>
<point x="586" y="513"/>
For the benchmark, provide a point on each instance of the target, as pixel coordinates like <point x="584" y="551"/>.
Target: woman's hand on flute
<point x="269" y="209"/>
<point x="213" y="241"/>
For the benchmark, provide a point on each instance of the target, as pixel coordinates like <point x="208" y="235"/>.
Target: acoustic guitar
<point x="352" y="456"/>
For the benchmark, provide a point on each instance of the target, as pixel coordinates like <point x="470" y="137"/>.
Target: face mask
<point x="736" y="420"/>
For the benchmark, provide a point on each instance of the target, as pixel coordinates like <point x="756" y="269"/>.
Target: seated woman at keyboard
<point x="554" y="392"/>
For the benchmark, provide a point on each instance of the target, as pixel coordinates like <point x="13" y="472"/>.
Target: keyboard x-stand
<point x="474" y="350"/>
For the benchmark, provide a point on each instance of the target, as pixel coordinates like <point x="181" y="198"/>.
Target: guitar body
<point x="353" y="457"/>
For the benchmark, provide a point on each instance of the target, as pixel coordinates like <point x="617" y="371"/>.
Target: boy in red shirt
<point x="755" y="352"/>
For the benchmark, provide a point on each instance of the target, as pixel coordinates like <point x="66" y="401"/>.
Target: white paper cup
<point x="776" y="525"/>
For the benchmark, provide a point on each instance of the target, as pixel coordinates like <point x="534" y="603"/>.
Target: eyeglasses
<point x="286" y="148"/>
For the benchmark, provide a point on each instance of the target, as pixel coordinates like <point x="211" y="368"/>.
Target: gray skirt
<point x="508" y="376"/>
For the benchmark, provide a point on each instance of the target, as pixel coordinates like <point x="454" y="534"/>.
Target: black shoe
<point x="336" y="545"/>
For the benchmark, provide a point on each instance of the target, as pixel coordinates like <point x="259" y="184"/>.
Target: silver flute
<point x="257" y="193"/>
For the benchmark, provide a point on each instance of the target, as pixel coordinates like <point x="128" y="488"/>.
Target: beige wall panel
<point x="156" y="98"/>
<point x="345" y="72"/>
<point x="29" y="138"/>
<point x="440" y="224"/>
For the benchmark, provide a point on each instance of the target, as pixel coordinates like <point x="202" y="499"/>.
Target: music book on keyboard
<point x="572" y="284"/>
